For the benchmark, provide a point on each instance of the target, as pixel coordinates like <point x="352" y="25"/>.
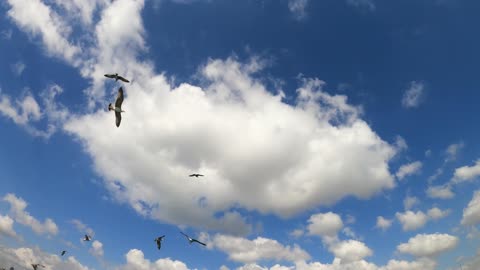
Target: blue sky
<point x="333" y="135"/>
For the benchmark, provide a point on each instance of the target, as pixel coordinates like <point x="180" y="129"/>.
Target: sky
<point x="332" y="134"/>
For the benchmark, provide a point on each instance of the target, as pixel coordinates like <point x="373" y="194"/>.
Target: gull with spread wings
<point x="159" y="240"/>
<point x="118" y="107"/>
<point x="116" y="77"/>
<point x="191" y="240"/>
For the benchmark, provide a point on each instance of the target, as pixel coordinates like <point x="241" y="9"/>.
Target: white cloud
<point x="409" y="202"/>
<point x="82" y="9"/>
<point x="467" y="173"/>
<point x="408" y="169"/>
<point x="471" y="214"/>
<point x="200" y="138"/>
<point x="82" y="228"/>
<point x="17" y="209"/>
<point x="428" y="245"/>
<point x="440" y="192"/>
<point x="23" y="111"/>
<point x="436" y="213"/>
<point x="350" y="251"/>
<point x="414" y="95"/>
<point x="97" y="249"/>
<point x="38" y="20"/>
<point x="298" y="8"/>
<point x="383" y="223"/>
<point x="400" y="143"/>
<point x="420" y="264"/>
<point x="412" y="221"/>
<point x="325" y="225"/>
<point x="337" y="264"/>
<point x="6" y="226"/>
<point x="297" y="233"/>
<point x="453" y="150"/>
<point x="434" y="176"/>
<point x="6" y="34"/>
<point x="368" y="5"/>
<point x="249" y="251"/>
<point x="18" y="68"/>
<point x="136" y="261"/>
<point x="22" y="258"/>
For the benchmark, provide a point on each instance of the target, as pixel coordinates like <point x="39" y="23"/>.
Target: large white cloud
<point x="17" y="209"/>
<point x="250" y="251"/>
<point x="350" y="251"/>
<point x="136" y="261"/>
<point x="325" y="225"/>
<point x="428" y="245"/>
<point x="22" y="258"/>
<point x="6" y="226"/>
<point x="412" y="220"/>
<point x="471" y="214"/>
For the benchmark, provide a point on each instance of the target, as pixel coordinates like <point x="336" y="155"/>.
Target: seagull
<point x="159" y="241"/>
<point x="63" y="252"/>
<point x="195" y="175"/>
<point x="118" y="107"/>
<point x="191" y="240"/>
<point x="116" y="77"/>
<point x="37" y="265"/>
<point x="87" y="238"/>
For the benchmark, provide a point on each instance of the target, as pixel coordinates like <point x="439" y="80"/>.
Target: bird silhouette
<point x="118" y="107"/>
<point x="195" y="175"/>
<point x="191" y="240"/>
<point x="159" y="240"/>
<point x="116" y="77"/>
<point x="87" y="238"/>
<point x="63" y="252"/>
<point x="35" y="266"/>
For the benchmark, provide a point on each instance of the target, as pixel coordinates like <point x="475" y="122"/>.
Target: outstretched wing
<point x="123" y="79"/>
<point x="118" y="118"/>
<point x="111" y="76"/>
<point x="188" y="237"/>
<point x="119" y="101"/>
<point x="195" y="240"/>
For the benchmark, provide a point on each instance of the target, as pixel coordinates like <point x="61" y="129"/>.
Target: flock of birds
<point x="118" y="118"/>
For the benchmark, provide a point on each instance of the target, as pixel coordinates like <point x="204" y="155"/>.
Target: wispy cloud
<point x="18" y="68"/>
<point x="414" y="94"/>
<point x="298" y="8"/>
<point x="367" y="5"/>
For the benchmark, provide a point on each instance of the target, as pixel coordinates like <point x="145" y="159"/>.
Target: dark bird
<point x="35" y="266"/>
<point x="87" y="238"/>
<point x="63" y="252"/>
<point x="159" y="240"/>
<point x="116" y="77"/>
<point x="191" y="240"/>
<point x="118" y="107"/>
<point x="195" y="175"/>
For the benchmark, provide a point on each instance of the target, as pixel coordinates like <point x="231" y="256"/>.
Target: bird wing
<point x="192" y="175"/>
<point x="188" y="237"/>
<point x="123" y="79"/>
<point x="195" y="240"/>
<point x="118" y="118"/>
<point x="200" y="175"/>
<point x="112" y="76"/>
<point x="119" y="101"/>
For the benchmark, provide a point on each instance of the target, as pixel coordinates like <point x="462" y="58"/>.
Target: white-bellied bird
<point x="159" y="240"/>
<point x="191" y="240"/>
<point x="116" y="77"/>
<point x="118" y="107"/>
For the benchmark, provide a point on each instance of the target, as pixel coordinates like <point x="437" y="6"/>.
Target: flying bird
<point x="87" y="238"/>
<point x="195" y="175"/>
<point x="191" y="240"/>
<point x="159" y="241"/>
<point x="63" y="252"/>
<point x="118" y="107"/>
<point x="116" y="77"/>
<point x="35" y="266"/>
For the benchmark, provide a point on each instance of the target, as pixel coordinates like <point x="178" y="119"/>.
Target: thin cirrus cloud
<point x="414" y="95"/>
<point x="298" y="8"/>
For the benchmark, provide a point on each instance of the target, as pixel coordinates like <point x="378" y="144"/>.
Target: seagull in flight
<point x="87" y="238"/>
<point x="159" y="241"/>
<point x="116" y="77"/>
<point x="196" y="175"/>
<point x="35" y="266"/>
<point x="118" y="107"/>
<point x="191" y="240"/>
<point x="63" y="252"/>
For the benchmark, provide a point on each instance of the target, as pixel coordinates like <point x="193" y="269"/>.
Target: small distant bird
<point x="87" y="238"/>
<point x="35" y="266"/>
<point x="191" y="240"/>
<point x="195" y="175"/>
<point x="116" y="77"/>
<point x="63" y="252"/>
<point x="118" y="107"/>
<point x="159" y="241"/>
